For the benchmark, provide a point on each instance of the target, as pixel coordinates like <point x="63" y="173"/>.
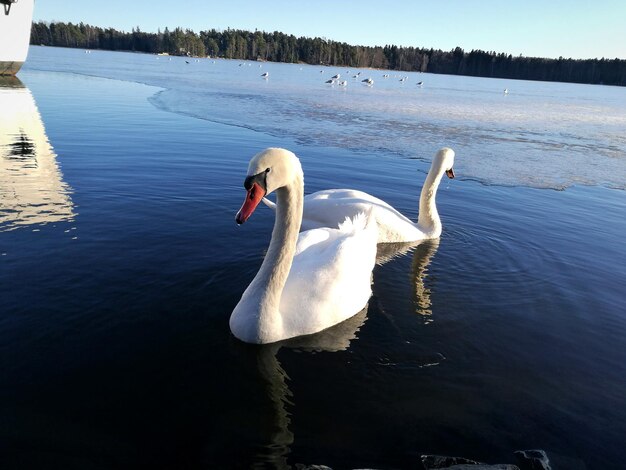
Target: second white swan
<point x="330" y="207"/>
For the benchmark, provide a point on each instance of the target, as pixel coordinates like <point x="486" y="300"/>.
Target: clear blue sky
<point x="540" y="28"/>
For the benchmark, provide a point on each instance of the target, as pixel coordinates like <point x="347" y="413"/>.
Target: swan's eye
<point x="267" y="170"/>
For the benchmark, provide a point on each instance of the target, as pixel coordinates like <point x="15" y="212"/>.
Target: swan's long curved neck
<point x="428" y="219"/>
<point x="268" y="284"/>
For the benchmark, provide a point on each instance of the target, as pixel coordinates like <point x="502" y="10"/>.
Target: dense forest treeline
<point x="279" y="47"/>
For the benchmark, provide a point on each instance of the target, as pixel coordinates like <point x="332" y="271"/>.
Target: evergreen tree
<point x="279" y="47"/>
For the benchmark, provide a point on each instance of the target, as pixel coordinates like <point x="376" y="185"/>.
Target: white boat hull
<point x="15" y="23"/>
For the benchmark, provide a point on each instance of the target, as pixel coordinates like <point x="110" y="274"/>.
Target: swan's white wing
<point x="330" y="280"/>
<point x="331" y="207"/>
<point x="310" y="238"/>
<point x="343" y="195"/>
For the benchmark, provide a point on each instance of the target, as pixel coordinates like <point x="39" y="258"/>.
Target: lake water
<point x="120" y="262"/>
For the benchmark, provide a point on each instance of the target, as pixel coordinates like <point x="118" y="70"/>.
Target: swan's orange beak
<point x="450" y="173"/>
<point x="253" y="197"/>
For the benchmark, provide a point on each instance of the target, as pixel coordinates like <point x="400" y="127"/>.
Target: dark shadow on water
<point x="275" y="452"/>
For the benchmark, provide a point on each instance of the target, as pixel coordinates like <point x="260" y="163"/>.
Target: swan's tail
<point x="269" y="203"/>
<point x="361" y="222"/>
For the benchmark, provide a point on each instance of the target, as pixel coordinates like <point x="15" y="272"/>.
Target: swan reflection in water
<point x="32" y="190"/>
<point x="422" y="257"/>
<point x="280" y="438"/>
<point x="338" y="338"/>
<point x="423" y="253"/>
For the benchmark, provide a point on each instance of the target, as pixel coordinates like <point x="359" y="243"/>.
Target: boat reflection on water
<point x="32" y="190"/>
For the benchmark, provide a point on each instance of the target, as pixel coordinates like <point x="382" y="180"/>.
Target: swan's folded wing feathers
<point x="330" y="208"/>
<point x="332" y="278"/>
<point x="353" y="224"/>
<point x="311" y="238"/>
<point x="330" y="213"/>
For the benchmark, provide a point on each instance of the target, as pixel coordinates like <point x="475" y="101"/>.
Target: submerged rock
<point x="498" y="466"/>
<point x="444" y="462"/>
<point x="300" y="466"/>
<point x="533" y="459"/>
<point x="484" y="466"/>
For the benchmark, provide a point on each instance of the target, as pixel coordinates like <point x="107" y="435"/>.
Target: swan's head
<point x="444" y="161"/>
<point x="268" y="170"/>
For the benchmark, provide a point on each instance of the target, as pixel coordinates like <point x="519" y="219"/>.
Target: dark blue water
<point x="120" y="263"/>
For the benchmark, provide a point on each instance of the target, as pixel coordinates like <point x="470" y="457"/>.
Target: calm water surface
<point x="120" y="262"/>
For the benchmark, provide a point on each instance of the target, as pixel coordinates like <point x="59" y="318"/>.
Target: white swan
<point x="329" y="207"/>
<point x="306" y="283"/>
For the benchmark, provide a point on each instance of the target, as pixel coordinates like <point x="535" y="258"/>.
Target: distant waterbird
<point x="368" y="81"/>
<point x="419" y="84"/>
<point x="335" y="77"/>
<point x="506" y="91"/>
<point x="265" y="74"/>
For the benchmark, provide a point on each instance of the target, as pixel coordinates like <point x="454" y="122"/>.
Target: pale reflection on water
<point x="422" y="257"/>
<point x="32" y="190"/>
<point x="423" y="253"/>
